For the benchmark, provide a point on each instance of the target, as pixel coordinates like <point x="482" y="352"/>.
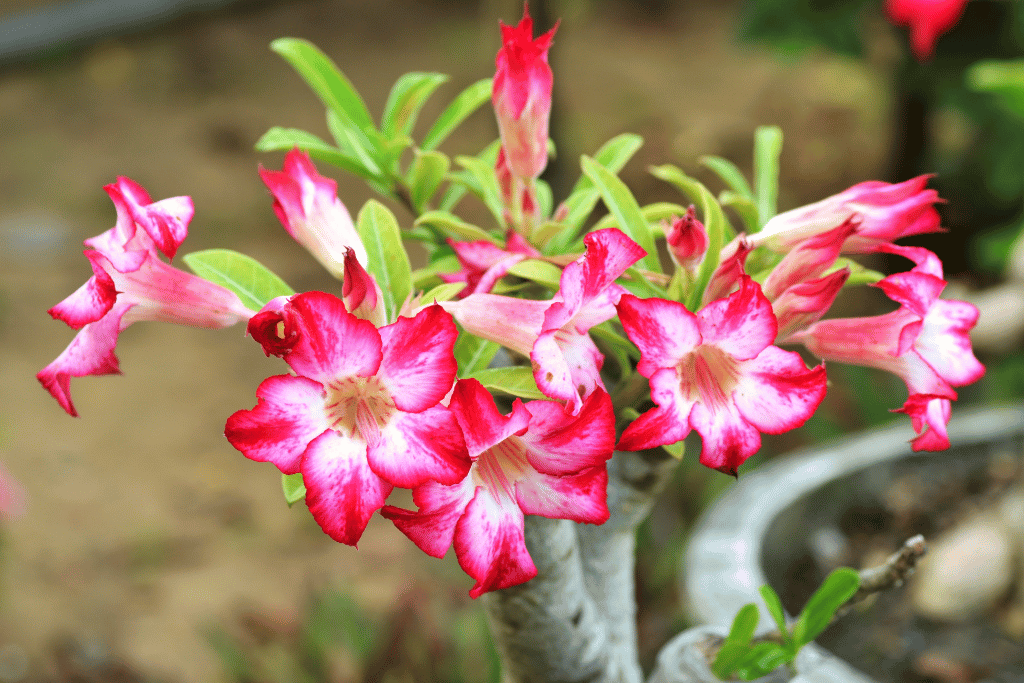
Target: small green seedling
<point x="741" y="657"/>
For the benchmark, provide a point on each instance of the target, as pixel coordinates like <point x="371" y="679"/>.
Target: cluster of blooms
<point x="376" y="400"/>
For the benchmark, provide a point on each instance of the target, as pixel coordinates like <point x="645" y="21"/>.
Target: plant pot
<point x="771" y="517"/>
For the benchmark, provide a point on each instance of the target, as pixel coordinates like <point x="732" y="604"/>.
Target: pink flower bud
<point x="687" y="240"/>
<point x="522" y="96"/>
<point x="927" y="19"/>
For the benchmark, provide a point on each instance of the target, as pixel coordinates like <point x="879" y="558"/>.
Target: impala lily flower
<point x="927" y="19"/>
<point x="687" y="240"/>
<point x="554" y="334"/>
<point x="484" y="263"/>
<point x="308" y="206"/>
<point x="537" y="460"/>
<point x="717" y="372"/>
<point x="130" y="284"/>
<point x="360" y="292"/>
<point x="882" y="211"/>
<point x="926" y="342"/>
<point x="521" y="94"/>
<point x="362" y="412"/>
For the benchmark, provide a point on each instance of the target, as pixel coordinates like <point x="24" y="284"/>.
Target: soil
<point x="142" y="526"/>
<point x="891" y="638"/>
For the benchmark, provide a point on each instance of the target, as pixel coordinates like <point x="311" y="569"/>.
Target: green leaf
<point x="473" y="353"/>
<point x="485" y="185"/>
<point x="253" y="282"/>
<point x="454" y="227"/>
<point x="544" y="196"/>
<point x="761" y="660"/>
<point x="355" y="141"/>
<point x="294" y="488"/>
<point x="652" y="213"/>
<point x="286" y="139"/>
<point x="737" y="643"/>
<point x="538" y="271"/>
<point x="729" y="174"/>
<point x="714" y="222"/>
<point x="464" y="104"/>
<point x="325" y="78"/>
<point x="443" y="292"/>
<point x="388" y="260"/>
<point x="516" y="381"/>
<point x="408" y="95"/>
<point x="1003" y="78"/>
<point x="744" y="207"/>
<point x="613" y="155"/>
<point x="641" y="286"/>
<point x="445" y="264"/>
<point x="624" y="207"/>
<point x="774" y="605"/>
<point x="767" y="148"/>
<point x="676" y="450"/>
<point x="859" y="274"/>
<point x="425" y="176"/>
<point x="819" y="610"/>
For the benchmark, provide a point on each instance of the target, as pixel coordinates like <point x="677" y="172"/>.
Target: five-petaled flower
<point x="362" y="412"/>
<point x="717" y="372"/>
<point x="537" y="460"/>
<point x="130" y="283"/>
<point x="308" y="206"/>
<point x="925" y="342"/>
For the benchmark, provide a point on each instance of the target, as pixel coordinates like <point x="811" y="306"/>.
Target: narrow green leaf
<point x="774" y="605"/>
<point x="838" y="587"/>
<point x="325" y="78"/>
<point x="737" y="643"/>
<point x="485" y="186"/>
<point x="541" y="272"/>
<point x="356" y="142"/>
<point x="714" y="222"/>
<point x="744" y="207"/>
<point x="1003" y="78"/>
<point x="425" y="176"/>
<point x="515" y="381"/>
<point x="421" y="277"/>
<point x="443" y="292"/>
<point x="730" y="174"/>
<point x="676" y="450"/>
<point x="652" y="213"/>
<point x="761" y="660"/>
<point x="767" y="148"/>
<point x="613" y="155"/>
<point x="454" y="227"/>
<point x="544" y="196"/>
<point x="253" y="282"/>
<point x="294" y="488"/>
<point x="285" y="139"/>
<point x="624" y="207"/>
<point x="641" y="286"/>
<point x="859" y="274"/>
<point x="388" y="260"/>
<point x="464" y="104"/>
<point x="408" y="95"/>
<point x="473" y="353"/>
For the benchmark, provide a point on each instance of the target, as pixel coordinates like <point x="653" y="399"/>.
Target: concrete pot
<point x="760" y="525"/>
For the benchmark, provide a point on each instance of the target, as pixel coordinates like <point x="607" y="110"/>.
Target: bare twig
<point x="891" y="574"/>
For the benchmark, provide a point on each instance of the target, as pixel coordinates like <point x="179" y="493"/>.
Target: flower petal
<point x="580" y="497"/>
<point x="331" y="342"/>
<point x="668" y="423"/>
<point x="482" y="424"/>
<point x="342" y="492"/>
<point x="88" y="303"/>
<point x="742" y="324"/>
<point x="490" y="544"/>
<point x="513" y="323"/>
<point x="664" y="331"/>
<point x="727" y="439"/>
<point x="561" y="444"/>
<point x="567" y="366"/>
<point x="432" y="528"/>
<point x="289" y="414"/>
<point x="776" y="392"/>
<point x="418" y="364"/>
<point x="418" y="447"/>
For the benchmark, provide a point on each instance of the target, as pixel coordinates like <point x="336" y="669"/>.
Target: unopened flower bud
<point x="687" y="240"/>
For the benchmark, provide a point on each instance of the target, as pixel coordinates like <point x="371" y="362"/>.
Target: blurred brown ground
<point x="143" y="523"/>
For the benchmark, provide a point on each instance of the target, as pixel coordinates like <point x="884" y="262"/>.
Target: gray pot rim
<point x="722" y="566"/>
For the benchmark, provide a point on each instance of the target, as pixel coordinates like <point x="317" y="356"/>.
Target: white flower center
<point x="708" y="375"/>
<point x="500" y="467"/>
<point x="358" y="407"/>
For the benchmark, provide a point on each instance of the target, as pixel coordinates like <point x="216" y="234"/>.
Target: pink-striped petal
<point x="742" y="324"/>
<point x="490" y="545"/>
<point x="580" y="497"/>
<point x="418" y="364"/>
<point x="664" y="331"/>
<point x="929" y="415"/>
<point x="668" y="423"/>
<point x="330" y="342"/>
<point x="432" y="528"/>
<point x="418" y="447"/>
<point x="561" y="444"/>
<point x="727" y="440"/>
<point x="776" y="392"/>
<point x="288" y="415"/>
<point x="342" y="492"/>
<point x="945" y="343"/>
<point x="513" y="323"/>
<point x="88" y="303"/>
<point x="482" y="424"/>
<point x="567" y="366"/>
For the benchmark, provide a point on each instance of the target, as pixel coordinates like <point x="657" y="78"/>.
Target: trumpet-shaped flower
<point x="308" y="206"/>
<point x="882" y="212"/>
<point x="717" y="372"/>
<point x="927" y="19"/>
<point x="521" y="94"/>
<point x="130" y="283"/>
<point x="537" y="460"/>
<point x="566" y="362"/>
<point x="362" y="412"/>
<point x="926" y="342"/>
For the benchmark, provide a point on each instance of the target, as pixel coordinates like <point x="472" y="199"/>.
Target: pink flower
<point x="687" y="240"/>
<point x="927" y="19"/>
<point x="925" y="342"/>
<point x="537" y="460"/>
<point x="716" y="372"/>
<point x="362" y="412"/>
<point x="522" y="96"/>
<point x="360" y="292"/>
<point x="882" y="212"/>
<point x="484" y="263"/>
<point x="129" y="284"/>
<point x="554" y="334"/>
<point x="308" y="206"/>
